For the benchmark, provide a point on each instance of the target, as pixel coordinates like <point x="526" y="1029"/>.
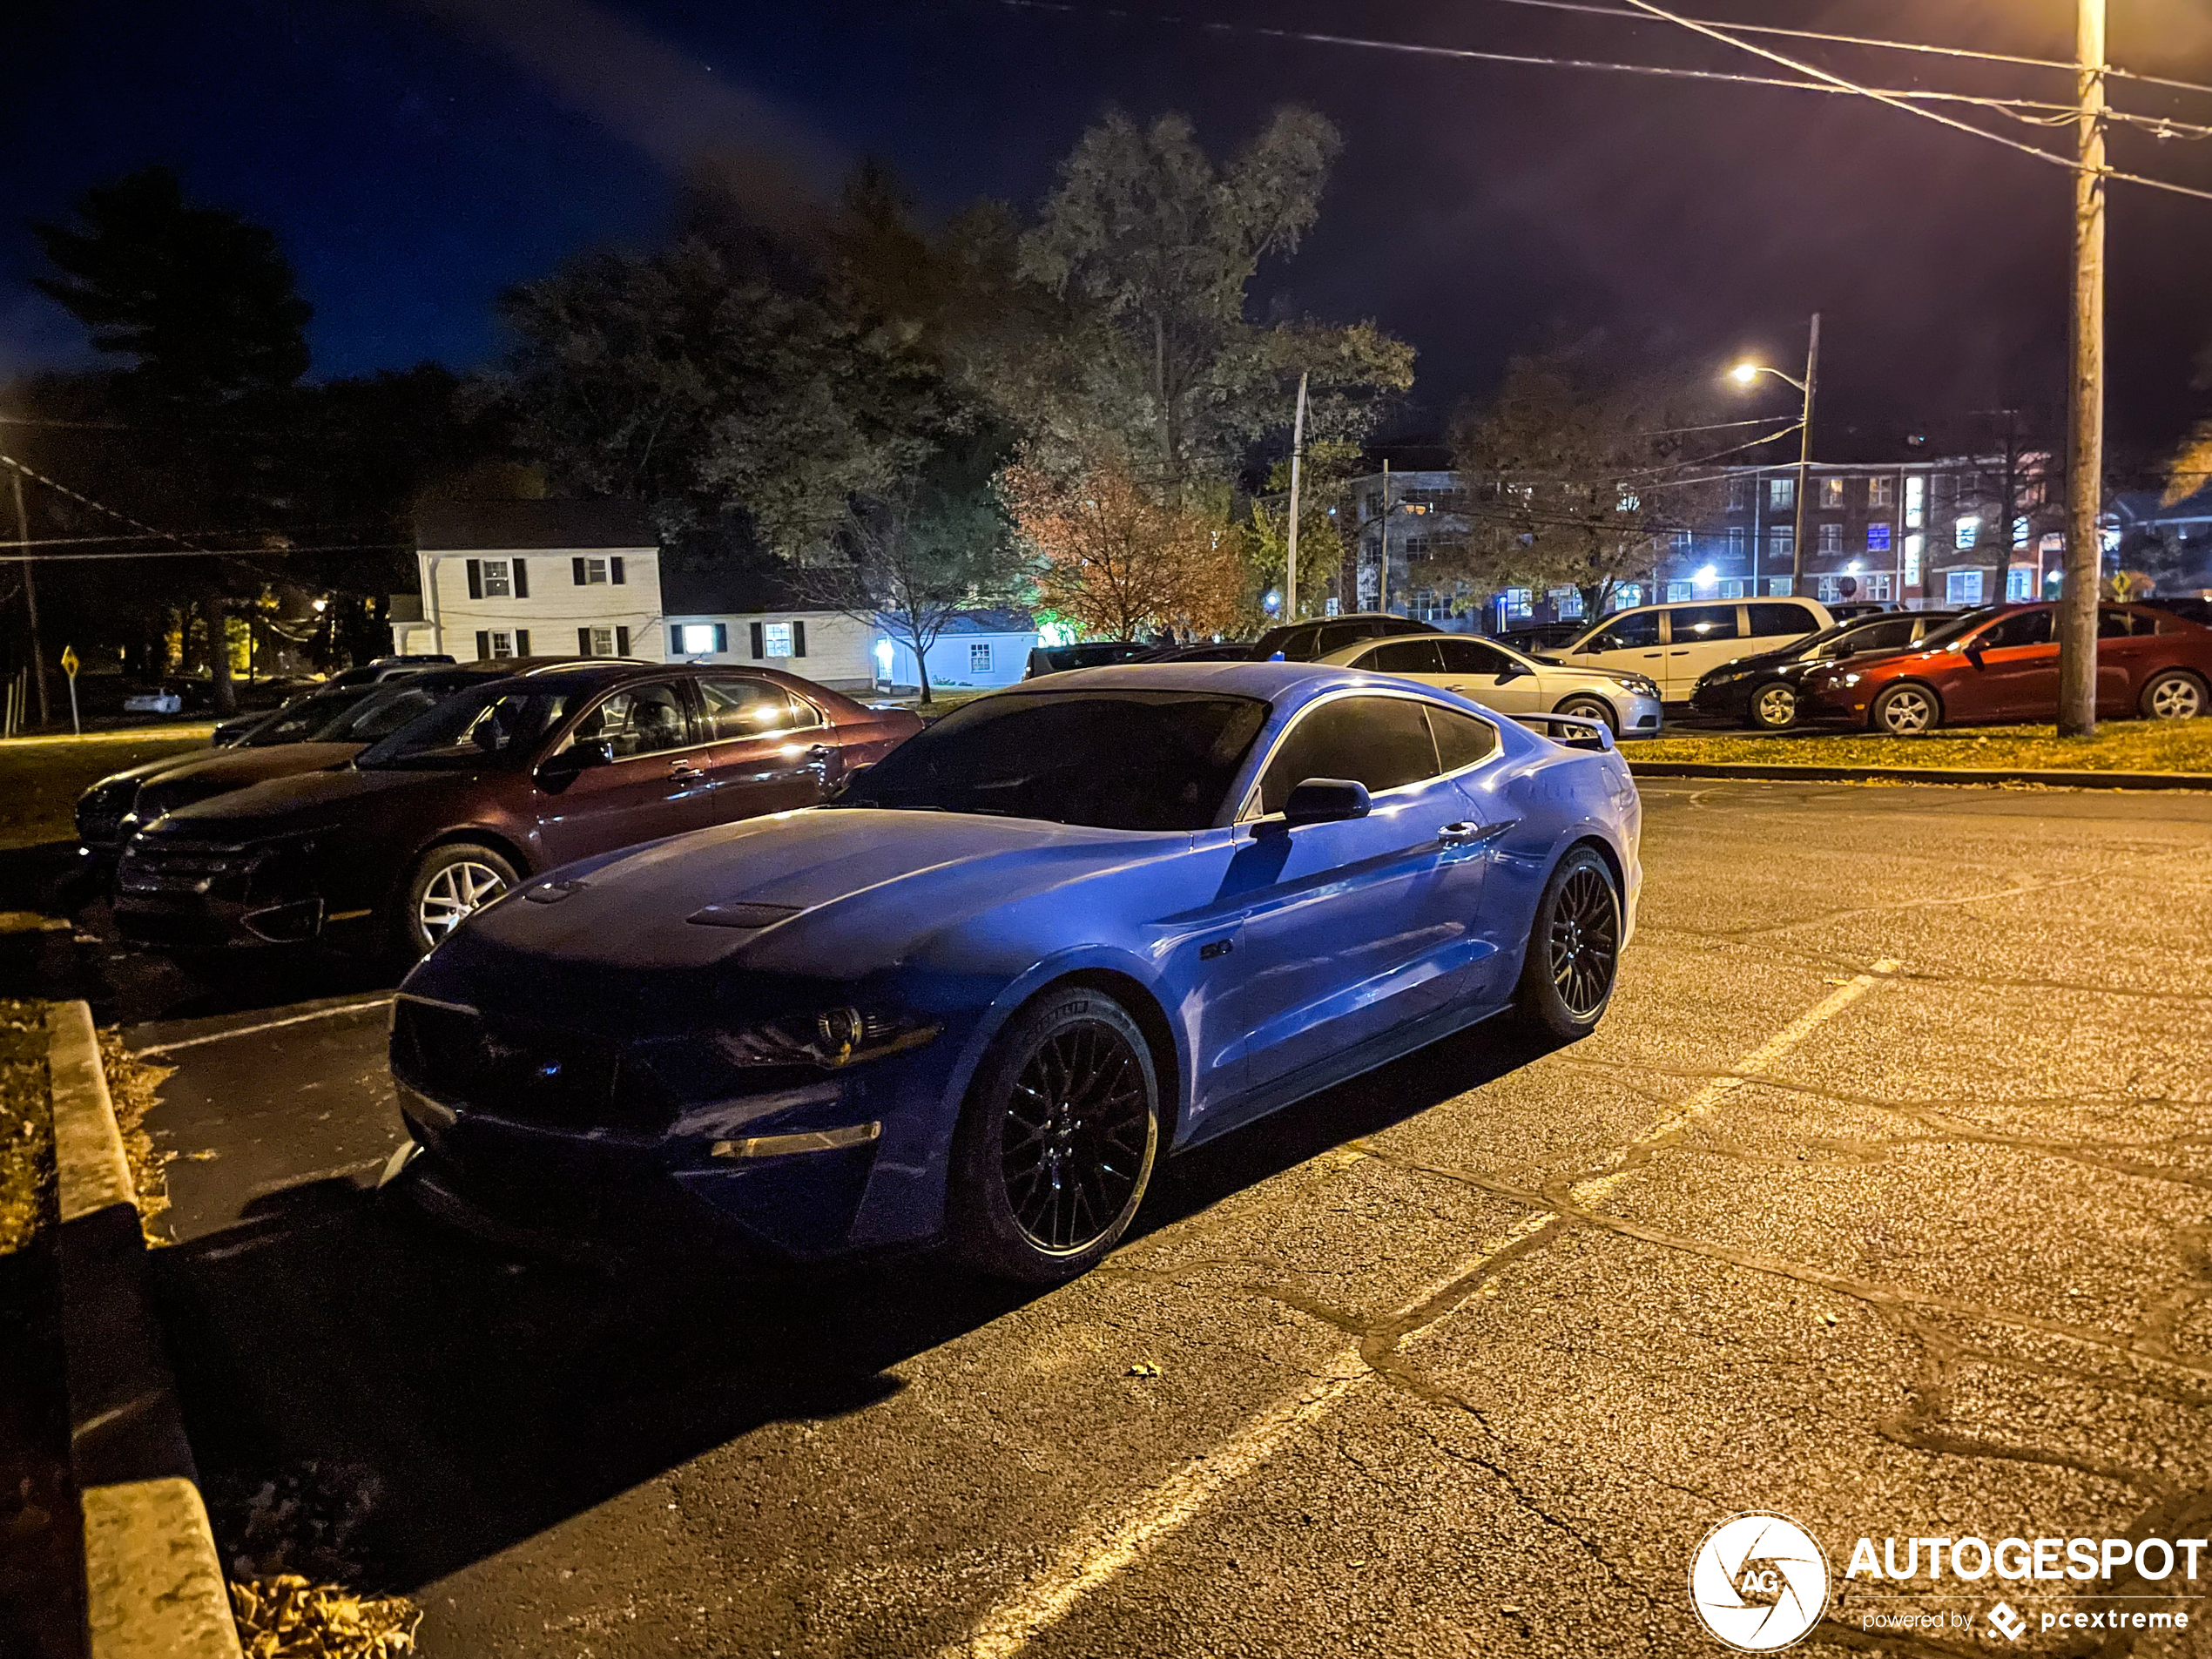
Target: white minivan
<point x="1674" y="643"/>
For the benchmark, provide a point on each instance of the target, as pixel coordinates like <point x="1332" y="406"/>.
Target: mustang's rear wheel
<point x="1057" y="1143"/>
<point x="1774" y="706"/>
<point x="1574" y="948"/>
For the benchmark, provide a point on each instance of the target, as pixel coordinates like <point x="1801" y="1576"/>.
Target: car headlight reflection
<point x="832" y="1038"/>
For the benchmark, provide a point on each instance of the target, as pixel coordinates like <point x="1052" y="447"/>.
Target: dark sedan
<point x="1763" y="690"/>
<point x="1309" y="641"/>
<point x="393" y="848"/>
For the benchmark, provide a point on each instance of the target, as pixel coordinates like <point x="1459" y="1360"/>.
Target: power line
<point x="239" y="554"/>
<point x="33" y="474"/>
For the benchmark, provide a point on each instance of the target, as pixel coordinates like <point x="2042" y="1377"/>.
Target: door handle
<point x="1465" y="835"/>
<point x="820" y="752"/>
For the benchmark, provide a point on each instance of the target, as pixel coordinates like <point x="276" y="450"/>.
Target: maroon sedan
<point x="2002" y="666"/>
<point x="491" y="786"/>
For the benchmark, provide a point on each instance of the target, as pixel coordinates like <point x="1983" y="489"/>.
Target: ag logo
<point x="1759" y="1582"/>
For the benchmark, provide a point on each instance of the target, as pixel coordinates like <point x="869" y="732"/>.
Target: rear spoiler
<point x="1571" y="729"/>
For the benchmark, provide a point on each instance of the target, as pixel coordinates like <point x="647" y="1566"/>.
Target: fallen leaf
<point x="1143" y="1368"/>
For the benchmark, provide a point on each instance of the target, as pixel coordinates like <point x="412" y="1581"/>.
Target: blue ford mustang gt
<point x="1066" y="931"/>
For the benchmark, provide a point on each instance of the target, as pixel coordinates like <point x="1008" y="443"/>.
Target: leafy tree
<point x="1326" y="519"/>
<point x="1158" y="246"/>
<point x="1577" y="483"/>
<point x="1118" y="563"/>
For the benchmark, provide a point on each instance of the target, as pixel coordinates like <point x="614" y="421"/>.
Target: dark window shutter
<point x="760" y="650"/>
<point x="614" y="571"/>
<point x="721" y="639"/>
<point x="583" y="641"/>
<point x="576" y="565"/>
<point x="476" y="578"/>
<point x="483" y="636"/>
<point x="522" y="580"/>
<point x="621" y="642"/>
<point x="522" y="642"/>
<point x="799" y="639"/>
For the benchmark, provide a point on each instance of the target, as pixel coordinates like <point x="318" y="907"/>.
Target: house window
<point x="595" y="572"/>
<point x="1969" y="485"/>
<point x="978" y="660"/>
<point x="499" y="583"/>
<point x="1879" y="491"/>
<point x="1878" y="538"/>
<point x="1678" y="590"/>
<point x="1831" y="538"/>
<point x="1782" y="544"/>
<point x="1518" y="601"/>
<point x="1915" y="500"/>
<point x="1739" y="494"/>
<point x="692" y="639"/>
<point x="1781" y="494"/>
<point x="1567" y="604"/>
<point x="502" y="644"/>
<point x="1685" y="544"/>
<point x="1876" y="586"/>
<point x="1738" y="539"/>
<point x="1968" y="529"/>
<point x="2019" y="582"/>
<point x="1780" y="587"/>
<point x="1962" y="586"/>
<point x="1626" y="595"/>
<point x="1832" y="492"/>
<point x="1731" y="587"/>
<point x="1913" y="544"/>
<point x="2020" y="531"/>
<point x="2032" y="492"/>
<point x="776" y="639"/>
<point x="603" y="643"/>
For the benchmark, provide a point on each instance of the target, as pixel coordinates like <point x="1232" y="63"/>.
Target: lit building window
<point x="1781" y="493"/>
<point x="1968" y="529"/>
<point x="1832" y="492"/>
<point x="1913" y="546"/>
<point x="1878" y="538"/>
<point x="1915" y="502"/>
<point x="776" y="639"/>
<point x="1962" y="586"/>
<point x="1832" y="539"/>
<point x="1880" y="491"/>
<point x="694" y="639"/>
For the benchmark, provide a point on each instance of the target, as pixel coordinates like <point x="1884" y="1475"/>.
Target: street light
<point x="1744" y="374"/>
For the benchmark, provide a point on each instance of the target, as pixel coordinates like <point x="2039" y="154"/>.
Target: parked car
<point x="1850" y="609"/>
<point x="158" y="699"/>
<point x="303" y="714"/>
<point x="1210" y="651"/>
<point x="1763" y="690"/>
<point x="325" y="729"/>
<point x="384" y="668"/>
<point x="1498" y="677"/>
<point x="2198" y="611"/>
<point x="1067" y="931"/>
<point x="1308" y="642"/>
<point x="1675" y="643"/>
<point x="1542" y="639"/>
<point x="2002" y="665"/>
<point x="501" y="782"/>
<point x="1094" y="653"/>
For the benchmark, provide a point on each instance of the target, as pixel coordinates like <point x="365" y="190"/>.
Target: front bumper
<point x="1731" y="699"/>
<point x="193" y="896"/>
<point x="1639" y="716"/>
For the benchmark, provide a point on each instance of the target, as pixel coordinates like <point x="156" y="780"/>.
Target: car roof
<point x="1360" y="647"/>
<point x="1270" y="681"/>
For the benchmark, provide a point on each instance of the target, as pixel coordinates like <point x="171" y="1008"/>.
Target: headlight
<point x="1850" y="679"/>
<point x="833" y="1038"/>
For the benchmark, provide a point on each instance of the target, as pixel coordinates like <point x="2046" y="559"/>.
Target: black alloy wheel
<point x="1573" y="954"/>
<point x="1058" y="1141"/>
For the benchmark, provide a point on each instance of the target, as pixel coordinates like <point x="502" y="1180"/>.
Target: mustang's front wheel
<point x="1057" y="1143"/>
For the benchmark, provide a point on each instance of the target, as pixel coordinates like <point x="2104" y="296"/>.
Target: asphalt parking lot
<point x="1879" y="1200"/>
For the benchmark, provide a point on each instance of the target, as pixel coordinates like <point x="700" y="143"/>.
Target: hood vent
<point x="746" y="917"/>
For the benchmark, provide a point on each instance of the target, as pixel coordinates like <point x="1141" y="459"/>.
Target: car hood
<point x="223" y="771"/>
<point x="286" y="804"/>
<point x="147" y="769"/>
<point x="827" y="892"/>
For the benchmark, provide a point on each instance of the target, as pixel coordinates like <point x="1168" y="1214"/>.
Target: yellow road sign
<point x="69" y="661"/>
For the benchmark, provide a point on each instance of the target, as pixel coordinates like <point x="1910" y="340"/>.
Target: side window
<point x="1404" y="657"/>
<point x="1883" y="636"/>
<point x="1695" y="623"/>
<point x="638" y="720"/>
<point x="1473" y="657"/>
<point x="2113" y="623"/>
<point x="1770" y="621"/>
<point x="1460" y="738"/>
<point x="1335" y="636"/>
<point x="740" y="707"/>
<point x="1628" y="632"/>
<point x="1382" y="742"/>
<point x="2021" y="628"/>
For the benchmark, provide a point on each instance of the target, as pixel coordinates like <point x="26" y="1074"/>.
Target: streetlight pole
<point x="1804" y="460"/>
<point x="1290" y="556"/>
<point x="2085" y="389"/>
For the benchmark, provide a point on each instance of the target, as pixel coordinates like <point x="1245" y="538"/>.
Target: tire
<point x="447" y="886"/>
<point x="2173" y="694"/>
<point x="1905" y="710"/>
<point x="1592" y="708"/>
<point x="1774" y="706"/>
<point x="1044" y="1182"/>
<point x="1573" y="955"/>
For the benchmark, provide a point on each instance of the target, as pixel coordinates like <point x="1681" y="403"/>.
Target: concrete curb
<point x="154" y="1586"/>
<point x="2074" y="779"/>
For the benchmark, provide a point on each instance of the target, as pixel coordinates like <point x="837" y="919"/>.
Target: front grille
<point x="525" y="1070"/>
<point x="207" y="872"/>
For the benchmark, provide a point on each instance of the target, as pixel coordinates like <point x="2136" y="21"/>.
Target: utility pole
<point x="1297" y="454"/>
<point x="31" y="600"/>
<point x="1805" y="460"/>
<point x="1382" y="577"/>
<point x="2085" y="390"/>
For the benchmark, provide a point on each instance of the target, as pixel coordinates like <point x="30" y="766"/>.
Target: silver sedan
<point x="1512" y="681"/>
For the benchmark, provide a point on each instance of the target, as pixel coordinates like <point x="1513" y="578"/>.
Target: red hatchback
<point x="2002" y="666"/>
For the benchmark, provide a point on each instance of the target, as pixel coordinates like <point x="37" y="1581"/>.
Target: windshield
<point x="1964" y="624"/>
<point x="380" y="711"/>
<point x="1129" y="760"/>
<point x="496" y="728"/>
<point x="303" y="721"/>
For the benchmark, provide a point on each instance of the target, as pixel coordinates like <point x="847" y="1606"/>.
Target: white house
<point x="589" y="578"/>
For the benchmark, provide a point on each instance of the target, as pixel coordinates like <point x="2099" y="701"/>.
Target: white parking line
<point x="1102" y="1552"/>
<point x="266" y="1025"/>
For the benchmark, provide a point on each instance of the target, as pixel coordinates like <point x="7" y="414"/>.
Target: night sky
<point x="417" y="158"/>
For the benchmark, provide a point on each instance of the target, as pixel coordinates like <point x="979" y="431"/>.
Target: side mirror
<point x="1973" y="653"/>
<point x="1512" y="672"/>
<point x="1325" y="801"/>
<point x="577" y="757"/>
